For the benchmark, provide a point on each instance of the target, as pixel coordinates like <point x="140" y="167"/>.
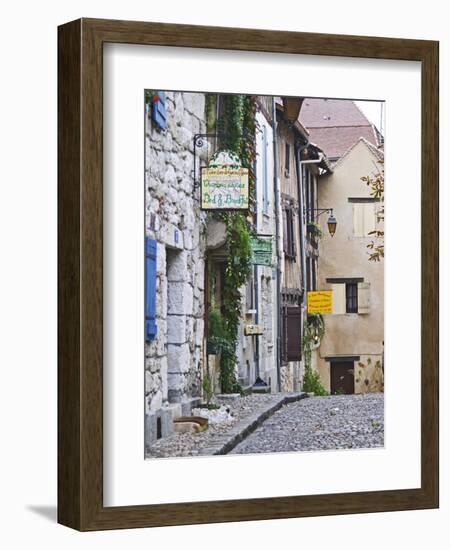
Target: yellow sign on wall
<point x="320" y="301"/>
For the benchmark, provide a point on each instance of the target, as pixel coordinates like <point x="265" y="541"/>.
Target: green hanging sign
<point x="261" y="250"/>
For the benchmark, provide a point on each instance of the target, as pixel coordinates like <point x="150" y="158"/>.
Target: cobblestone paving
<point x="319" y="423"/>
<point x="204" y="443"/>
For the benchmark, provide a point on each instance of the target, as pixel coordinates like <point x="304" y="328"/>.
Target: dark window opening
<point x="291" y="297"/>
<point x="289" y="232"/>
<point x="314" y="274"/>
<point x="351" y="297"/>
<point x="250" y="294"/>
<point x="158" y="428"/>
<point x="287" y="159"/>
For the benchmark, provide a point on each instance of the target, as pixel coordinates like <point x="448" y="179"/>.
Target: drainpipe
<point x="256" y="288"/>
<point x="276" y="189"/>
<point x="256" y="338"/>
<point x="299" y="165"/>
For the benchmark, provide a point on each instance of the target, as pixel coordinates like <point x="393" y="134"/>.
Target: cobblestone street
<point x="244" y="410"/>
<point x="312" y="423"/>
<point x="320" y="423"/>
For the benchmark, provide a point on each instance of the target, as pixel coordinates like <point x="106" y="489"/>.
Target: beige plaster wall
<point x="346" y="256"/>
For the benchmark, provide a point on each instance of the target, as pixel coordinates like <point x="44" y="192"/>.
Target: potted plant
<point x="314" y="229"/>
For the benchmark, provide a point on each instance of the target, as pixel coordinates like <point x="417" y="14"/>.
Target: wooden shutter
<point x="363" y="298"/>
<point x="159" y="116"/>
<point x="293" y="335"/>
<point x="293" y="241"/>
<point x="358" y="219"/>
<point x="285" y="232"/>
<point x="364" y="218"/>
<point x="150" y="288"/>
<point x="369" y="217"/>
<point x="339" y="301"/>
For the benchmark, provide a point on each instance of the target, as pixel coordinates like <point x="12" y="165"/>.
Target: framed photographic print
<point x="248" y="317"/>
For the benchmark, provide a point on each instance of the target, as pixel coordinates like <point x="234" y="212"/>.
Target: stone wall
<point x="173" y="360"/>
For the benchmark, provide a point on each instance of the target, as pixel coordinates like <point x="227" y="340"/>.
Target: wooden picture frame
<point x="80" y="269"/>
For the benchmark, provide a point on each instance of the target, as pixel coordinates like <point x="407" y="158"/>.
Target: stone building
<point x="300" y="162"/>
<point x="186" y="255"/>
<point x="175" y="248"/>
<point x="350" y="358"/>
<point x="258" y="353"/>
<point x="257" y="334"/>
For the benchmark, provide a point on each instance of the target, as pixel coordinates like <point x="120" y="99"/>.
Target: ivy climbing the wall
<point x="312" y="333"/>
<point x="236" y="126"/>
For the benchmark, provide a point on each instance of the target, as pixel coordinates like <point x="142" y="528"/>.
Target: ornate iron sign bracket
<point x="199" y="142"/>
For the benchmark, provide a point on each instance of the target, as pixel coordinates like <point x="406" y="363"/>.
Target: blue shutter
<point x="150" y="288"/>
<point x="159" y="111"/>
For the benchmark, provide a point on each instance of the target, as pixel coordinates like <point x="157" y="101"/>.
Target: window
<point x="287" y="159"/>
<point x="265" y="168"/>
<point x="150" y="288"/>
<point x="314" y="274"/>
<point x="289" y="232"/>
<point x="311" y="273"/>
<point x="364" y="216"/>
<point x="159" y="115"/>
<point x="250" y="294"/>
<point x="350" y="296"/>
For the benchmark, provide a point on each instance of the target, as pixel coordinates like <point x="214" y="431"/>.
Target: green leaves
<point x="237" y="127"/>
<point x="376" y="184"/>
<point x="313" y="331"/>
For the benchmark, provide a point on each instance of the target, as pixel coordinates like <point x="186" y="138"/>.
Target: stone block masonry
<point x="173" y="360"/>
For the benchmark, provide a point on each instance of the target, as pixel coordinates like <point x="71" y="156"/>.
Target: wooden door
<point x="342" y="378"/>
<point x="293" y="327"/>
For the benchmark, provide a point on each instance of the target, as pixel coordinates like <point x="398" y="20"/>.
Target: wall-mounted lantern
<point x="331" y="222"/>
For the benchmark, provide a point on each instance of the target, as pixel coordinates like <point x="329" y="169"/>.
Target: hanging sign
<point x="261" y="251"/>
<point x="253" y="330"/>
<point x="224" y="188"/>
<point x="320" y="301"/>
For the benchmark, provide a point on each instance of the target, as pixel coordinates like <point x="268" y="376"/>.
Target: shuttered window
<point x="363" y="298"/>
<point x="351" y="297"/>
<point x="265" y="169"/>
<point x="289" y="233"/>
<point x="287" y="159"/>
<point x="293" y="326"/>
<point x="159" y="115"/>
<point x="250" y="294"/>
<point x="364" y="218"/>
<point x="339" y="305"/>
<point x="150" y="288"/>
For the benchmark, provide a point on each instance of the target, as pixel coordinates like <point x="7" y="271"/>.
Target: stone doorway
<point x="342" y="378"/>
